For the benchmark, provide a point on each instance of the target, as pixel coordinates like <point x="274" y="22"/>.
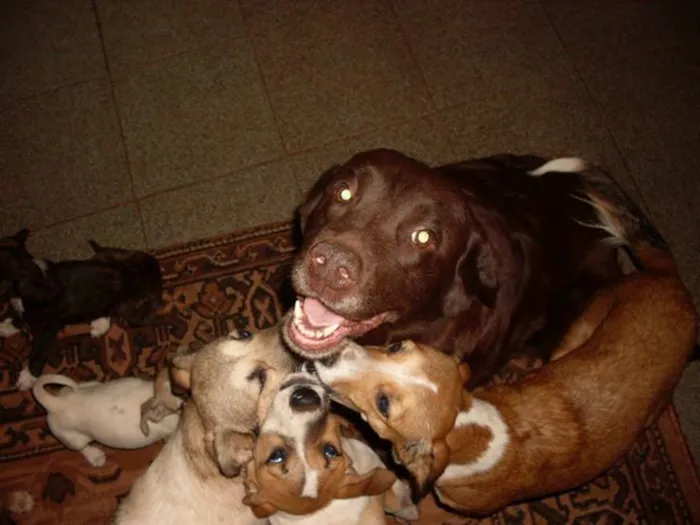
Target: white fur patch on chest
<point x="8" y="328"/>
<point x="42" y="265"/>
<point x="486" y="415"/>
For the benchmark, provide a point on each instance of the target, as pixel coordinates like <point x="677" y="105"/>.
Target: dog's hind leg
<point x="80" y="442"/>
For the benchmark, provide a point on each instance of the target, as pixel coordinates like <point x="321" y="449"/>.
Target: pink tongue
<point x="319" y="315"/>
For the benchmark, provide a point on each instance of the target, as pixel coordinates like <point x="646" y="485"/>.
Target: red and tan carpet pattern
<point x="241" y="279"/>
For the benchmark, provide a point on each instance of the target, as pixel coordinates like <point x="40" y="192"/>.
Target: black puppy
<point x="46" y="296"/>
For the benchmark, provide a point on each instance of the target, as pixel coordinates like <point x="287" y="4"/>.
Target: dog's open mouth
<point x="317" y="331"/>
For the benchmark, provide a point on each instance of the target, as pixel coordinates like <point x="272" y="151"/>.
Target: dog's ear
<point x="425" y="461"/>
<point x="181" y="371"/>
<point x="96" y="247"/>
<point x="476" y="277"/>
<point x="21" y="236"/>
<point x="376" y="481"/>
<point x="152" y="410"/>
<point x="261" y="506"/>
<point x="229" y="449"/>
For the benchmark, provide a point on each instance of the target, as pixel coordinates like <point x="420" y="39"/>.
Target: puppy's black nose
<point x="304" y="399"/>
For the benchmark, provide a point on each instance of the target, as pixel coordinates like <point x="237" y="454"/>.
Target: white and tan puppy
<point x="107" y="412"/>
<point x="305" y="471"/>
<point x="195" y="478"/>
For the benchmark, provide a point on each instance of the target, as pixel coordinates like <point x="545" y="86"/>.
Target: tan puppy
<point x="559" y="427"/>
<point x="304" y="470"/>
<point x="195" y="478"/>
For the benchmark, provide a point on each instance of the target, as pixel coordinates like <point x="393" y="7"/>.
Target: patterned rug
<point x="241" y="279"/>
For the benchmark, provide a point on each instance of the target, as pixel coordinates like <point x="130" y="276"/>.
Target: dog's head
<point x="386" y="239"/>
<point x="143" y="281"/>
<point x="299" y="462"/>
<point x="231" y="383"/>
<point x="409" y="394"/>
<point x="20" y="274"/>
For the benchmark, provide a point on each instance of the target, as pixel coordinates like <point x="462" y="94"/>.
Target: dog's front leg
<point x="44" y="341"/>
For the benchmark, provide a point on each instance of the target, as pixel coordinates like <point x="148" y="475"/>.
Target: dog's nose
<point x="336" y="265"/>
<point x="304" y="399"/>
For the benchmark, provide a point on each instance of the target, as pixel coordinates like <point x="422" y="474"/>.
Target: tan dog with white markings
<point x="561" y="426"/>
<point x="305" y="470"/>
<point x="195" y="477"/>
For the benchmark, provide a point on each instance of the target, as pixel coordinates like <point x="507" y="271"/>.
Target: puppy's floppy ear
<point x="425" y="461"/>
<point x="376" y="481"/>
<point x="261" y="506"/>
<point x="465" y="372"/>
<point x="181" y="370"/>
<point x="229" y="449"/>
<point x="475" y="278"/>
<point x="152" y="410"/>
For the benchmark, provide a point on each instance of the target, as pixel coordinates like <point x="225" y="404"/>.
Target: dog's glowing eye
<point x="383" y="405"/>
<point x="330" y="451"/>
<point x="345" y="194"/>
<point x="279" y="455"/>
<point x="422" y="237"/>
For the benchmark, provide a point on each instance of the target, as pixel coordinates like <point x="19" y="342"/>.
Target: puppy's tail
<point x="49" y="401"/>
<point x="626" y="224"/>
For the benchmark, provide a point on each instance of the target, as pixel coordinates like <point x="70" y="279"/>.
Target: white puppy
<point x="109" y="413"/>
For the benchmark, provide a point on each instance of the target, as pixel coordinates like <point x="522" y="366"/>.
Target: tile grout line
<point x="249" y="37"/>
<point x="115" y="103"/>
<point x="414" y="57"/>
<point x="599" y="110"/>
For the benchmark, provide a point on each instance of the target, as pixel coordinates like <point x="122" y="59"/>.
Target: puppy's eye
<point x="383" y="405"/>
<point x="278" y="456"/>
<point x="239" y="335"/>
<point x="330" y="451"/>
<point x="344" y="194"/>
<point x="259" y="375"/>
<point x="422" y="237"/>
<point x="394" y="348"/>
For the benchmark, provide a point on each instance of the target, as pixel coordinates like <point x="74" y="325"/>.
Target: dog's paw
<point x="99" y="327"/>
<point x="8" y="328"/>
<point x="26" y="380"/>
<point x="94" y="456"/>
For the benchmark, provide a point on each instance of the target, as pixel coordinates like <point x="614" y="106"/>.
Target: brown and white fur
<point x="195" y="478"/>
<point x="613" y="372"/>
<point x="306" y="471"/>
<point x="109" y="413"/>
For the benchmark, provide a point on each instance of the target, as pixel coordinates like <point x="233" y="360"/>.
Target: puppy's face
<point x="298" y="463"/>
<point x="410" y="394"/>
<point x="232" y="382"/>
<point x="20" y="275"/>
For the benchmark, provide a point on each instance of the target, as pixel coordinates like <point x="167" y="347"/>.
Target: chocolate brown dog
<point x="561" y="426"/>
<point x="474" y="258"/>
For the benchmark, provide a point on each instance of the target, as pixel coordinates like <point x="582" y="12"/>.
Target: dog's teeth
<point x="298" y="310"/>
<point x="329" y="330"/>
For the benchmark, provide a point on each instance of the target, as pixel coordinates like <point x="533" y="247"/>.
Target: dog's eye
<point x="422" y="237"/>
<point x="239" y="335"/>
<point x="259" y="374"/>
<point x="383" y="405"/>
<point x="278" y="456"/>
<point x="394" y="348"/>
<point x="344" y="194"/>
<point x="330" y="451"/>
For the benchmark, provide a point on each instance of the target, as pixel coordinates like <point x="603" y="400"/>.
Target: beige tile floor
<point x="146" y="123"/>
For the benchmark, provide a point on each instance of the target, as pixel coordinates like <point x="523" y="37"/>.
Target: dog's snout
<point x="338" y="266"/>
<point x="304" y="399"/>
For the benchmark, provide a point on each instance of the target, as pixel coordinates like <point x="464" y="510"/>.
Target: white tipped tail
<point x="561" y="165"/>
<point x="50" y="402"/>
